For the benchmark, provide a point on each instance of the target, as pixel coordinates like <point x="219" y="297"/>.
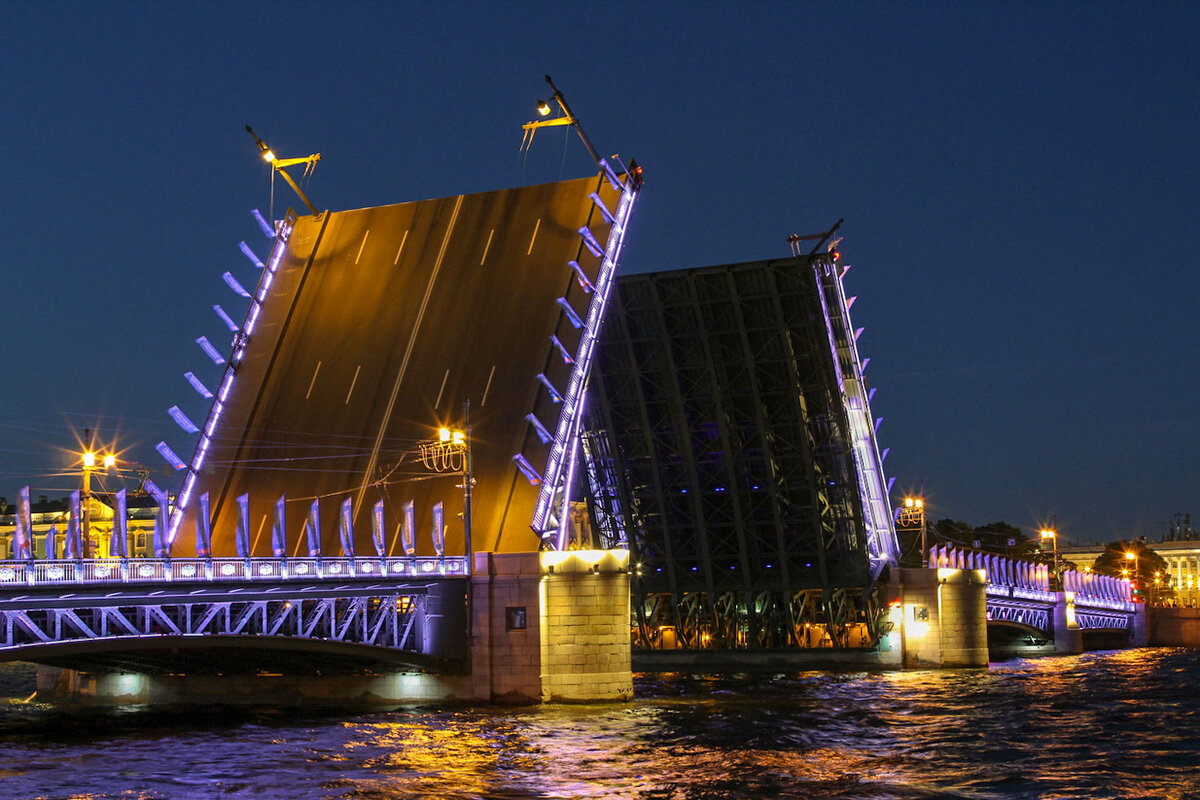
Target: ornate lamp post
<point x="1050" y="533"/>
<point x="912" y="513"/>
<point x="451" y="453"/>
<point x="1132" y="556"/>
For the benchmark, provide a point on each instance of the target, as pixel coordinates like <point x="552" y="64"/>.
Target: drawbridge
<point x="731" y="437"/>
<point x="374" y="329"/>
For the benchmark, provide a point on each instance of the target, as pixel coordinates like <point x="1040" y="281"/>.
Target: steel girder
<point x="758" y="620"/>
<point x="383" y="621"/>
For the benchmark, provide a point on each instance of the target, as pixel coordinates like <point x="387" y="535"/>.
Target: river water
<point x="1121" y="724"/>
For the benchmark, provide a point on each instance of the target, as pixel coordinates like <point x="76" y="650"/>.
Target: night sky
<point x="1020" y="184"/>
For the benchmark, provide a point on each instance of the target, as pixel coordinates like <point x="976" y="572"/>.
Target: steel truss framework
<point x="382" y="621"/>
<point x="344" y="623"/>
<point x="1030" y="614"/>
<point x="1096" y="619"/>
<point x="1037" y="615"/>
<point x="720" y="415"/>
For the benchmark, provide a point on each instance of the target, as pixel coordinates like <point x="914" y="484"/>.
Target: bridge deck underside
<point x="228" y="655"/>
<point x="723" y="416"/>
<point x="378" y="325"/>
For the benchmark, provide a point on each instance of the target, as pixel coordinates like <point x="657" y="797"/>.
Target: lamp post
<point x="451" y="453"/>
<point x="913" y="513"/>
<point x="1050" y="533"/>
<point x="1132" y="556"/>
<point x="88" y="458"/>
<point x="85" y="515"/>
<point x="568" y="118"/>
<point x="278" y="164"/>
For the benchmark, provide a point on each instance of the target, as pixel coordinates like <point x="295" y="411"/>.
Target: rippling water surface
<point x="1103" y="725"/>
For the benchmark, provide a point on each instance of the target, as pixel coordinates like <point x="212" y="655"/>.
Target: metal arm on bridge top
<point x="568" y="119"/>
<point x="278" y="164"/>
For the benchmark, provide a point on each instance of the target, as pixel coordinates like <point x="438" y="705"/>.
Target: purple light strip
<point x="538" y="428"/>
<point x="881" y="532"/>
<point x="200" y="388"/>
<point x="584" y="282"/>
<point x="218" y="406"/>
<point x="229" y="323"/>
<point x="576" y="322"/>
<point x="210" y="351"/>
<point x="234" y="284"/>
<point x="608" y="215"/>
<point x="248" y="253"/>
<point x="567" y="434"/>
<point x="182" y="420"/>
<point x="564" y="518"/>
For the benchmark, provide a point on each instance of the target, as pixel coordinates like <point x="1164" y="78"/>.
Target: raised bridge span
<point x="368" y="333"/>
<point x="734" y="451"/>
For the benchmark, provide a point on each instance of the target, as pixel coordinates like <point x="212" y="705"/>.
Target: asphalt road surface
<point x="379" y="326"/>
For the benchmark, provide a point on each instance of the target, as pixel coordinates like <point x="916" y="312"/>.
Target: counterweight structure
<point x="732" y="428"/>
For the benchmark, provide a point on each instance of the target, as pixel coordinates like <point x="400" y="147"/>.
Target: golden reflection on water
<point x="427" y="757"/>
<point x="1099" y="725"/>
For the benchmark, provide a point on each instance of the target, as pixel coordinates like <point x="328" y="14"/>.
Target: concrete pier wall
<point x="939" y="616"/>
<point x="1068" y="638"/>
<point x="1173" y="627"/>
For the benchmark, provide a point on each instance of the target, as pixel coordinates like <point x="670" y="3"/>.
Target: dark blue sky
<point x="1020" y="183"/>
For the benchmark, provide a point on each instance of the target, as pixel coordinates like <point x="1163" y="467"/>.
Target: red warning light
<point x="635" y="171"/>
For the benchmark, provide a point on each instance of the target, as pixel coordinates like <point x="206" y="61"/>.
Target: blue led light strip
<point x="555" y="491"/>
<point x="218" y="406"/>
<point x="881" y="533"/>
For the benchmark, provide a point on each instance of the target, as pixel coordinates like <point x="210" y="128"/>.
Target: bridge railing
<point x="201" y="570"/>
<point x="1014" y="577"/>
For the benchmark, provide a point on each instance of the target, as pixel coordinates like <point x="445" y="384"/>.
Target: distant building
<point x="141" y="510"/>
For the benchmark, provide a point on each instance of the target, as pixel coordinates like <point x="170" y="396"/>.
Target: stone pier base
<point x="1068" y="638"/>
<point x="552" y="627"/>
<point x="939" y="617"/>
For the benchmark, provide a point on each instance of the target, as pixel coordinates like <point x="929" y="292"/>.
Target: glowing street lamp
<point x="443" y="456"/>
<point x="1132" y="556"/>
<point x="1051" y="534"/>
<point x="278" y="164"/>
<point x="568" y="118"/>
<point x="913" y="514"/>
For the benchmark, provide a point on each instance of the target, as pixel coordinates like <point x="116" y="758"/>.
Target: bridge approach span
<point x="331" y="618"/>
<point x="1019" y="594"/>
